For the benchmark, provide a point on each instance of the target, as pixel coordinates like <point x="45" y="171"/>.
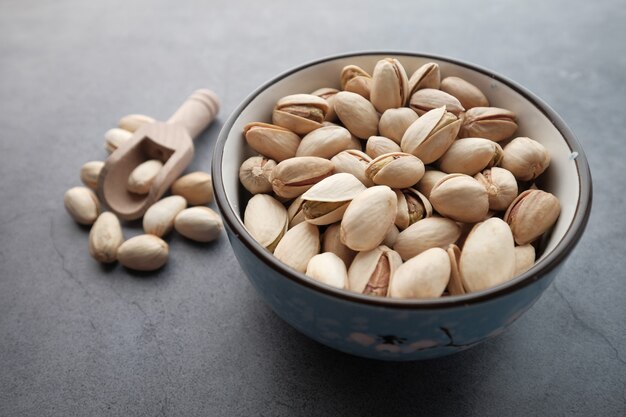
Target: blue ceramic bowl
<point x="394" y="329"/>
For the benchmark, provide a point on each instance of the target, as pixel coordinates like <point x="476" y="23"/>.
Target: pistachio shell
<point x="455" y="286"/>
<point x="461" y="198"/>
<point x="353" y="162"/>
<point x="331" y="242"/>
<point x="255" y="173"/>
<point x="394" y="122"/>
<point x="143" y="253"/>
<point x="380" y="145"/>
<point x="391" y="236"/>
<point x="300" y="113"/>
<point x="294" y="176"/>
<point x="105" y="237"/>
<point x="390" y="85"/>
<point x="371" y="272"/>
<point x="298" y="246"/>
<point x="352" y="71"/>
<point x="470" y="156"/>
<point x="90" y="172"/>
<point x="132" y="122"/>
<point x="329" y="269"/>
<point x="424" y="276"/>
<point x="82" y="204"/>
<point x="113" y="138"/>
<point x="326" y="201"/>
<point x="428" y="181"/>
<point x="430" y="136"/>
<point x="428" y="99"/>
<point x="531" y="214"/>
<point x="525" y="158"/>
<point x="357" y="114"/>
<point x="266" y="220"/>
<point x="524" y="258"/>
<point x="355" y="79"/>
<point x="325" y="142"/>
<point x="432" y="232"/>
<point x="501" y="187"/>
<point x="274" y="142"/>
<point x="159" y="218"/>
<point x="196" y="188"/>
<point x="328" y="94"/>
<point x="467" y="93"/>
<point x="488" y="122"/>
<point x="295" y="213"/>
<point x="141" y="178"/>
<point x="199" y="223"/>
<point x="412" y="207"/>
<point x="396" y="170"/>
<point x="426" y="76"/>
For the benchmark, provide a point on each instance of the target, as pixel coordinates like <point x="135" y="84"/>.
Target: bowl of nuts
<point x="399" y="206"/>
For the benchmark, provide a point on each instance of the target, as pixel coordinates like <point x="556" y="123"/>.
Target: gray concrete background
<point x="79" y="339"/>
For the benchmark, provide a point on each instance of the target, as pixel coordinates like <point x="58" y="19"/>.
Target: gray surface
<point x="194" y="339"/>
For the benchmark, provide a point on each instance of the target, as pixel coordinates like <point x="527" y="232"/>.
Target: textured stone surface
<point x="79" y="339"/>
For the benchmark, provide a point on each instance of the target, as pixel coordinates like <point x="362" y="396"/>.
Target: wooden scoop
<point x="169" y="142"/>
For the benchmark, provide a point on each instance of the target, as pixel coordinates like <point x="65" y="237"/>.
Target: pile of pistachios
<point x="397" y="186"/>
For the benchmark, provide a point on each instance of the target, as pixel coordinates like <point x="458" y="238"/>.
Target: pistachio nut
<point x="331" y="242"/>
<point x="105" y="237"/>
<point x="141" y="178"/>
<point x="470" y="156"/>
<point x="394" y="122"/>
<point x="379" y="145"/>
<point x="201" y="224"/>
<point x="412" y="207"/>
<point x="525" y="158"/>
<point x="428" y="181"/>
<point x="455" y="285"/>
<point x="488" y="256"/>
<point x="90" y="172"/>
<point x="461" y="198"/>
<point x="298" y="246"/>
<point x="357" y="114"/>
<point x="396" y="170"/>
<point x="427" y="99"/>
<point x="368" y="217"/>
<point x="113" y="138"/>
<point x="266" y="220"/>
<point x="524" y="258"/>
<point x="430" y="136"/>
<point x="300" y="113"/>
<point x="255" y="173"/>
<point x="132" y="122"/>
<point x="489" y="123"/>
<point x="531" y="214"/>
<point x="274" y="142"/>
<point x="143" y="253"/>
<point x="295" y="213"/>
<point x="391" y="236"/>
<point x="325" y="142"/>
<point x="426" y="76"/>
<point x="353" y="162"/>
<point x="431" y="232"/>
<point x="501" y="187"/>
<point x="326" y="201"/>
<point x="82" y="204"/>
<point x="196" y="188"/>
<point x="372" y="271"/>
<point x="467" y="93"/>
<point x="294" y="176"/>
<point x="328" y="94"/>
<point x="328" y="268"/>
<point x="423" y="276"/>
<point x="356" y="80"/>
<point x="159" y="218"/>
<point x="390" y="85"/>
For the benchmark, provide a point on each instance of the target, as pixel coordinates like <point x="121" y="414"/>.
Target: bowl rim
<point x="538" y="271"/>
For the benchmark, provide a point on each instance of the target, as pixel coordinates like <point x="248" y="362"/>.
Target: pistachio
<point x="113" y="138"/>
<point x="525" y="158"/>
<point x="488" y="256"/>
<point x="300" y="113"/>
<point x="394" y="122"/>
<point x="141" y="178"/>
<point x="524" y="258"/>
<point x="430" y="136"/>
<point x="372" y="271"/>
<point x="489" y="123"/>
<point x="105" y="237"/>
<point x="353" y="162"/>
<point x="467" y="93"/>
<point x="428" y="181"/>
<point x="390" y="85"/>
<point x="298" y="246"/>
<point x="354" y="79"/>
<point x="455" y="285"/>
<point x="470" y="156"/>
<point x="368" y="217"/>
<point x="294" y="176"/>
<point x="143" y="253"/>
<point x="357" y="114"/>
<point x="396" y="170"/>
<point x="196" y="188"/>
<point x="133" y="122"/>
<point x="325" y="142"/>
<point x="423" y="276"/>
<point x="328" y="94"/>
<point x="326" y="201"/>
<point x="379" y="145"/>
<point x="531" y="214"/>
<point x="90" y="172"/>
<point x="274" y="142"/>
<point x="461" y="198"/>
<point x="431" y="232"/>
<point x="428" y="99"/>
<point x="329" y="269"/>
<point x="82" y="204"/>
<point x="199" y="223"/>
<point x="331" y="242"/>
<point x="266" y="220"/>
<point x="426" y="76"/>
<point x="501" y="187"/>
<point x="255" y="173"/>
<point x="391" y="236"/>
<point x="159" y="218"/>
<point x="412" y="207"/>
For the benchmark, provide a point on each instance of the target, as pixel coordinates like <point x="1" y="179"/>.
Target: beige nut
<point x="426" y="76"/>
<point x="298" y="246"/>
<point x="199" y="223"/>
<point x="265" y="218"/>
<point x="413" y="206"/>
<point x="329" y="269"/>
<point x="524" y="258"/>
<point x="90" y="172"/>
<point x="300" y="113"/>
<point x="470" y="156"/>
<point x="390" y="85"/>
<point x="326" y="201"/>
<point x="427" y="99"/>
<point x="428" y="181"/>
<point x="357" y="114"/>
<point x="394" y="122"/>
<point x="501" y="187"/>
<point x="331" y="242"/>
<point x="272" y="141"/>
<point x="325" y="142"/>
<point x="396" y="170"/>
<point x="430" y="136"/>
<point x="531" y="214"/>
<point x="431" y="232"/>
<point x="356" y="80"/>
<point x="328" y="94"/>
<point x="461" y="198"/>
<point x="141" y="178"/>
<point x="255" y="173"/>
<point x="371" y="272"/>
<point x="525" y="158"/>
<point x="353" y="162"/>
<point x="82" y="204"/>
<point x="294" y="176"/>
<point x="488" y="122"/>
<point x="423" y="276"/>
<point x="195" y="187"/>
<point x="467" y="93"/>
<point x="455" y="285"/>
<point x="105" y="237"/>
<point x="159" y="218"/>
<point x="132" y="122"/>
<point x="113" y="138"/>
<point x="379" y="145"/>
<point x="143" y="253"/>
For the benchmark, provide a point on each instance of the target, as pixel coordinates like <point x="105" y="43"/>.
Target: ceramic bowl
<point x="394" y="329"/>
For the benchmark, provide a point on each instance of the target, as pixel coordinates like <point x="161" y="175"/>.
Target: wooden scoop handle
<point x="197" y="112"/>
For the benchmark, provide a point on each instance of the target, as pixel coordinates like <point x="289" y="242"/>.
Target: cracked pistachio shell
<point x="412" y="207"/>
<point x="379" y="145"/>
<point x="525" y="158"/>
<point x="300" y="113"/>
<point x="356" y="80"/>
<point x="196" y="187"/>
<point x="295" y="213"/>
<point x="524" y="258"/>
<point x="326" y="201"/>
<point x="428" y="181"/>
<point x="132" y="122"/>
<point x="427" y="99"/>
<point x="357" y="114"/>
<point x="390" y="85"/>
<point x="105" y="237"/>
<point x="273" y="141"/>
<point x="432" y="232"/>
<point x="325" y="142"/>
<point x="353" y="162"/>
<point x="488" y="256"/>
<point x="143" y="253"/>
<point x="201" y="224"/>
<point x="461" y="198"/>
<point x="470" y="156"/>
<point x="82" y="204"/>
<point x="294" y="176"/>
<point x="430" y="136"/>
<point x="391" y="236"/>
<point x="531" y="214"/>
<point x="368" y="217"/>
<point x="488" y="122"/>
<point x="467" y="93"/>
<point x="90" y="172"/>
<point x="141" y="178"/>
<point x="265" y="218"/>
<point x="328" y="268"/>
<point x="159" y="218"/>
<point x="298" y="246"/>
<point x="331" y="242"/>
<point x="501" y="187"/>
<point x="455" y="285"/>
<point x="396" y="170"/>
<point x="372" y="271"/>
<point x="394" y="122"/>
<point x="328" y="94"/>
<point x="423" y="276"/>
<point x="113" y="138"/>
<point x="255" y="173"/>
<point x="426" y="76"/>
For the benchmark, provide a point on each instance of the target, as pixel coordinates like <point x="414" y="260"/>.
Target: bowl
<point x="399" y="329"/>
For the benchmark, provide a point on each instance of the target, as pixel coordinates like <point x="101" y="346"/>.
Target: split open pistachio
<point x="325" y="142"/>
<point x="467" y="93"/>
<point x="431" y="232"/>
<point x="294" y="176"/>
<point x="428" y="99"/>
<point x="390" y="85"/>
<point x="531" y="214"/>
<point x="328" y="94"/>
<point x="266" y="220"/>
<point x="426" y="76"/>
<point x="525" y="158"/>
<point x="274" y="142"/>
<point x="461" y="198"/>
<point x="396" y="170"/>
<point x="371" y="272"/>
<point x="430" y="136"/>
<point x="357" y="114"/>
<point x="394" y="122"/>
<point x="298" y="246"/>
<point x="300" y="113"/>
<point x="356" y="80"/>
<point x="488" y="122"/>
<point x="353" y="162"/>
<point x="470" y="156"/>
<point x="412" y="207"/>
<point x="379" y="145"/>
<point x="326" y="201"/>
